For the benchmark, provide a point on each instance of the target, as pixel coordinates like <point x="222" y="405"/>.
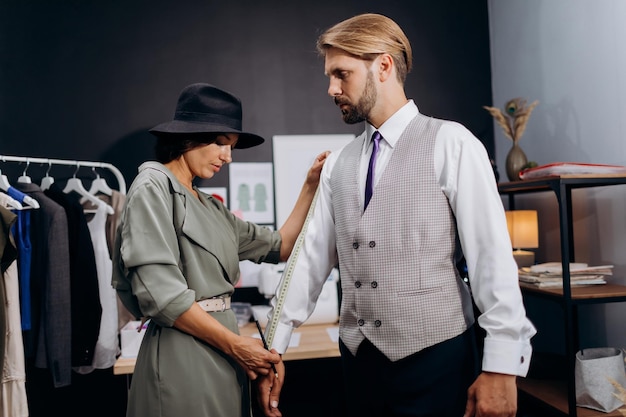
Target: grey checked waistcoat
<point x="400" y="287"/>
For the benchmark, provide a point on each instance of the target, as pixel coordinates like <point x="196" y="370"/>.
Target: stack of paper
<point x="550" y="275"/>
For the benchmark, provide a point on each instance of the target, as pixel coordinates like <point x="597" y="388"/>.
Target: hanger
<point x="25" y="178"/>
<point x="76" y="185"/>
<point x="99" y="185"/>
<point x="47" y="181"/>
<point x="5" y="186"/>
<point x="4" y="182"/>
<point x="9" y="202"/>
<point x="31" y="201"/>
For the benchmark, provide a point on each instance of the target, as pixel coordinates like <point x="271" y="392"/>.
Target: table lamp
<point x="524" y="234"/>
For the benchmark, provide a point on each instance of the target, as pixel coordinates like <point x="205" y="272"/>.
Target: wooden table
<point x="315" y="343"/>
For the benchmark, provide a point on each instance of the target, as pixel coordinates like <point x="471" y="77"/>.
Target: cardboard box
<point x="131" y="337"/>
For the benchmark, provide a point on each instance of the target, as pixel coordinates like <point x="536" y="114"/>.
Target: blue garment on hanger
<point x="21" y="234"/>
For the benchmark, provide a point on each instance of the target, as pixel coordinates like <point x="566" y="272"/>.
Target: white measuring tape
<point x="281" y="294"/>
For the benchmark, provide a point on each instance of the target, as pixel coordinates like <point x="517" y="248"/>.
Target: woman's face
<point x="207" y="160"/>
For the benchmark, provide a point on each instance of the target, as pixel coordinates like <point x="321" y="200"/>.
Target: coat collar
<point x="175" y="184"/>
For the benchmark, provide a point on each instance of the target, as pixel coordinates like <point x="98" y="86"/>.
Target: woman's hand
<point x="253" y="357"/>
<point x="291" y="229"/>
<point x="268" y="390"/>
<point x="313" y="175"/>
<point x="247" y="351"/>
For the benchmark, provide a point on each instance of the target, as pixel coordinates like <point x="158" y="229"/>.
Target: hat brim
<point x="181" y="128"/>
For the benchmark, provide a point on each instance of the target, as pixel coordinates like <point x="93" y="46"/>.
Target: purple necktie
<point x="369" y="182"/>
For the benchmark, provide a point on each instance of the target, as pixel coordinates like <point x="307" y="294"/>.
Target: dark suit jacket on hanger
<point x="85" y="296"/>
<point x="48" y="343"/>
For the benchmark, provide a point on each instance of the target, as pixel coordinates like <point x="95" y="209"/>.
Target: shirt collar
<point x="395" y="125"/>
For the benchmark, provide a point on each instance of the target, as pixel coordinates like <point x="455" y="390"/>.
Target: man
<point x="407" y="327"/>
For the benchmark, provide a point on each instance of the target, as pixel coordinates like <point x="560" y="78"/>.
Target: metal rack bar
<point x="118" y="174"/>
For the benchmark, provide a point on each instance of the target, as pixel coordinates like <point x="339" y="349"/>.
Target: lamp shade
<point x="523" y="228"/>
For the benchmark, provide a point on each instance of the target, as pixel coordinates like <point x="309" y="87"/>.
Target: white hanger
<point x="10" y="202"/>
<point x="4" y="182"/>
<point x="31" y="202"/>
<point x="99" y="185"/>
<point x="47" y="181"/>
<point x="25" y="178"/>
<point x="4" y="185"/>
<point x="76" y="185"/>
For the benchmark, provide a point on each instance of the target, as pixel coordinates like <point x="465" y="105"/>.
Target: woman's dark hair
<point x="172" y="147"/>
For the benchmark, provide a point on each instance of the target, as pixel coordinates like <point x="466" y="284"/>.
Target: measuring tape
<point x="281" y="294"/>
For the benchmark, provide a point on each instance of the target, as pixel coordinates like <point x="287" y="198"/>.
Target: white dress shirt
<point x="466" y="178"/>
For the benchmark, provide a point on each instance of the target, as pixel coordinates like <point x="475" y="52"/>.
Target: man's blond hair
<point x="368" y="35"/>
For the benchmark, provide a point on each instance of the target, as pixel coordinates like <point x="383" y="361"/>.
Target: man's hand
<point x="492" y="395"/>
<point x="268" y="390"/>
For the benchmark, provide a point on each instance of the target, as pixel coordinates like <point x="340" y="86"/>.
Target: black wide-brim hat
<point x="204" y="108"/>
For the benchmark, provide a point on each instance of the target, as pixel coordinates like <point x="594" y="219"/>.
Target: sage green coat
<point x="171" y="250"/>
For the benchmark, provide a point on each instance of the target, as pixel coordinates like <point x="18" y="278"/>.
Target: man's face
<point x="351" y="85"/>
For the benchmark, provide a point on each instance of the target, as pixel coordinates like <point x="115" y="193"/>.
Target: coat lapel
<point x="202" y="223"/>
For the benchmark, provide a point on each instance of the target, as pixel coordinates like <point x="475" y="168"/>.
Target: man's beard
<point x="360" y="112"/>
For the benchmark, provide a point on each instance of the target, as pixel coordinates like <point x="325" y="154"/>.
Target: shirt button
<point x="357" y="284"/>
<point x="377" y="323"/>
<point x="355" y="245"/>
<point x="372" y="244"/>
<point x="361" y="322"/>
<point x="374" y="284"/>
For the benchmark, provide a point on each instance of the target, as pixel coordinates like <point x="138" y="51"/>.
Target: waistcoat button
<point x="355" y="245"/>
<point x="361" y="322"/>
<point x="374" y="284"/>
<point x="372" y="244"/>
<point x="377" y="323"/>
<point x="357" y="284"/>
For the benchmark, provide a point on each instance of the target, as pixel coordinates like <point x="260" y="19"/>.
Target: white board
<point x="293" y="156"/>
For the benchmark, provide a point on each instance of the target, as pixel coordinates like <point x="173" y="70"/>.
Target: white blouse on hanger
<point x="107" y="346"/>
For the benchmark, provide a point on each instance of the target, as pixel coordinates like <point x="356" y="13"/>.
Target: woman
<point x="177" y="261"/>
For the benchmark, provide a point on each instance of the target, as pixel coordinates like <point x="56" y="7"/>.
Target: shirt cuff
<point x="281" y="338"/>
<point x="506" y="357"/>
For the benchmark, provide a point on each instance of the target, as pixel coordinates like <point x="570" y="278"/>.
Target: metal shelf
<point x="561" y="395"/>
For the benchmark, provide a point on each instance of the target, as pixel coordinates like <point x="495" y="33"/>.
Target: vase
<point x="515" y="161"/>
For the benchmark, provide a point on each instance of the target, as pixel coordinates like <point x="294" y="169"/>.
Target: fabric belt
<point x="215" y="304"/>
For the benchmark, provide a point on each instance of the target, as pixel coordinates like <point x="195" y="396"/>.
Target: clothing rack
<point x="48" y="161"/>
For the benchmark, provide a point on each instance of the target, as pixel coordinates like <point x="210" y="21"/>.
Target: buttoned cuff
<point x="506" y="357"/>
<point x="281" y="338"/>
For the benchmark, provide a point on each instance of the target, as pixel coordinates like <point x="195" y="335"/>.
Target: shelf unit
<point x="561" y="395"/>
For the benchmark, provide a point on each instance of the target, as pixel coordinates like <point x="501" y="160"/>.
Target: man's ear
<point x="386" y="67"/>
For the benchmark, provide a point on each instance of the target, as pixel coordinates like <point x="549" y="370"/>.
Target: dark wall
<point x="85" y="79"/>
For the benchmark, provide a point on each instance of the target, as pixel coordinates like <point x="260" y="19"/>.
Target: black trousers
<point x="432" y="382"/>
